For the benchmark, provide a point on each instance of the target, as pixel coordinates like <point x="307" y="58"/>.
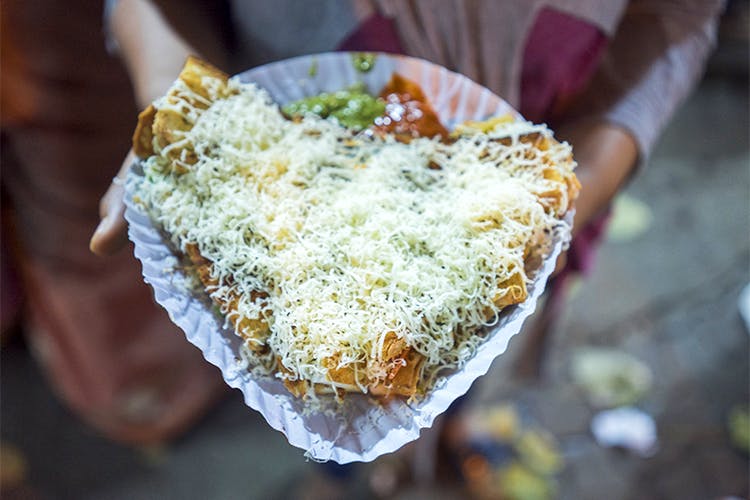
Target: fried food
<point x="350" y="262"/>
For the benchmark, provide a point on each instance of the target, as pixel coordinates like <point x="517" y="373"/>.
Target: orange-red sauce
<point x="407" y="114"/>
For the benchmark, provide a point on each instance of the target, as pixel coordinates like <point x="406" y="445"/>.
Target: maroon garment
<point x="376" y="34"/>
<point x="559" y="59"/>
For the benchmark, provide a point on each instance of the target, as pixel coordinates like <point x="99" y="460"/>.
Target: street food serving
<point x="350" y="258"/>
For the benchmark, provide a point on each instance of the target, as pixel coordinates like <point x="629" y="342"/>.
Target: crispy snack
<point x="394" y="365"/>
<point x="159" y="129"/>
<point x="143" y="137"/>
<point x="167" y="125"/>
<point x="564" y="187"/>
<point x="253" y="331"/>
<point x="162" y="128"/>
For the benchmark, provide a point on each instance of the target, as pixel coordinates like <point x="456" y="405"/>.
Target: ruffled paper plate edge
<point x="326" y="437"/>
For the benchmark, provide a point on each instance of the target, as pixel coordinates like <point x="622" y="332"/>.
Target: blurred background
<point x="643" y="389"/>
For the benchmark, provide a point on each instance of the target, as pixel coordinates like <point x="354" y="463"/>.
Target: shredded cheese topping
<point x="351" y="236"/>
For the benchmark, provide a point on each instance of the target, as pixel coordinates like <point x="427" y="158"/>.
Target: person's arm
<point x="652" y="63"/>
<point x="151" y="49"/>
<point x="153" y="53"/>
<point x="606" y="156"/>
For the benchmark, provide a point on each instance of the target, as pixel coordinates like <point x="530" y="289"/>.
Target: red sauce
<point x="407" y="113"/>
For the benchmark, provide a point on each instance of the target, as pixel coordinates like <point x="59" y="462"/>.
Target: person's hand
<point x="111" y="233"/>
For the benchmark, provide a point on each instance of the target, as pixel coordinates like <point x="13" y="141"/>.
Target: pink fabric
<point x="375" y="34"/>
<point x="559" y="59"/>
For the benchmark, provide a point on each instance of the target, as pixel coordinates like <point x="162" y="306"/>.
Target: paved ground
<point x="667" y="295"/>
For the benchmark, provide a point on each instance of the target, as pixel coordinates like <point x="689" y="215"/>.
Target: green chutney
<point x="352" y="107"/>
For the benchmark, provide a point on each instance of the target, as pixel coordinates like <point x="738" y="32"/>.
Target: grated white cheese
<point x="352" y="242"/>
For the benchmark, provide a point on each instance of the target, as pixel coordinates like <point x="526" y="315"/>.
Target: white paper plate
<point x="362" y="430"/>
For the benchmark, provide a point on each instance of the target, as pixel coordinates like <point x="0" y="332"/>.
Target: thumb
<point x="111" y="233"/>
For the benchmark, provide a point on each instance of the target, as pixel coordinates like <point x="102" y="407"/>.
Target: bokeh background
<point x="662" y="306"/>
